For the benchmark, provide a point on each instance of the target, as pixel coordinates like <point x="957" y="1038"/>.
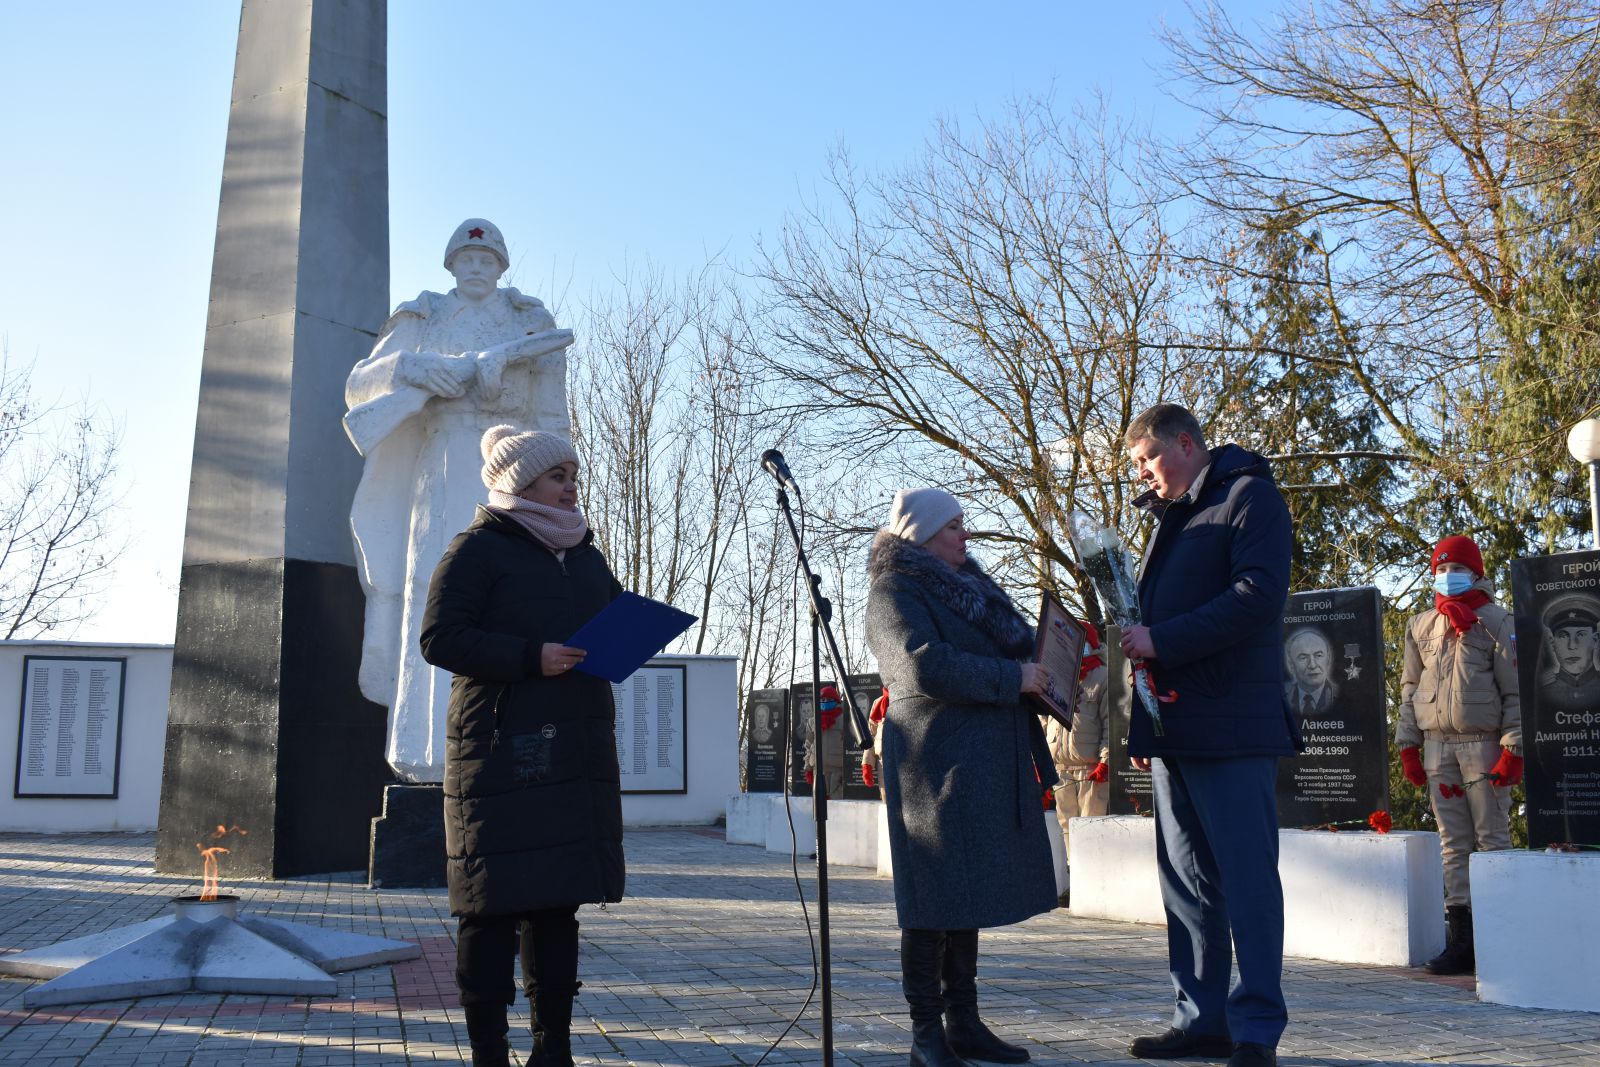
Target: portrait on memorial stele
<point x="446" y="367"/>
<point x="1333" y="691"/>
<point x="1557" y="602"/>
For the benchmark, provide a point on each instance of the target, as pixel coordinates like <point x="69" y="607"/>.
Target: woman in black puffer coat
<point x="533" y="802"/>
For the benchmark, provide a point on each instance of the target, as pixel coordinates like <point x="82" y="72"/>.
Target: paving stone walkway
<point x="704" y="964"/>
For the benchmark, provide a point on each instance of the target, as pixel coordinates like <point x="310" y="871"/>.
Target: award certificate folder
<point x="624" y="636"/>
<point x="1059" y="649"/>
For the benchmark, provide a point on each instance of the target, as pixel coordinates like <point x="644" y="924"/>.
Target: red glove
<point x="1411" y="765"/>
<point x="1101" y="772"/>
<point x="1091" y="660"/>
<point x="880" y="707"/>
<point x="1507" y="770"/>
<point x="811" y="779"/>
<point x="867" y="775"/>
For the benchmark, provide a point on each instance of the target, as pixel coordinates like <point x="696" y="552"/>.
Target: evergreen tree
<point x="1303" y="407"/>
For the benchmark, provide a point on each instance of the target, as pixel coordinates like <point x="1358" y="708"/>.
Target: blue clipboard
<point x="624" y="636"/>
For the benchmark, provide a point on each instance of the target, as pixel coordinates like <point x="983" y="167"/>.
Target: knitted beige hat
<point x="918" y="514"/>
<point x="513" y="458"/>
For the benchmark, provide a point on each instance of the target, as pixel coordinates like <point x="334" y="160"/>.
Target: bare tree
<point x="1408" y="138"/>
<point x="670" y="417"/>
<point x="58" y="500"/>
<point x="990" y="318"/>
<point x="632" y="435"/>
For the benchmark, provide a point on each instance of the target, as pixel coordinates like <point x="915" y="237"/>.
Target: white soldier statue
<point x="445" y="368"/>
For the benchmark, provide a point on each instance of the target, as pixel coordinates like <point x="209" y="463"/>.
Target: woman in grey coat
<point x="964" y="766"/>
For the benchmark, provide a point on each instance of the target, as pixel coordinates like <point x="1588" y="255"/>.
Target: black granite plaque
<point x="767" y="727"/>
<point x="800" y="712"/>
<point x="1558" y="656"/>
<point x="864" y="689"/>
<point x="1130" y="788"/>
<point x="406" y="850"/>
<point x="1334" y="690"/>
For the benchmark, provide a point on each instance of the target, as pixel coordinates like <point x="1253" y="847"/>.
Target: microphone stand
<point x="821" y="614"/>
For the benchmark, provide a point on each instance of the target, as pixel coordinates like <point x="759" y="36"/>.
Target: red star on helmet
<point x="476" y="231"/>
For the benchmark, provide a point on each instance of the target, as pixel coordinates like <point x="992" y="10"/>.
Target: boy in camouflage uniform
<point x="1460" y="730"/>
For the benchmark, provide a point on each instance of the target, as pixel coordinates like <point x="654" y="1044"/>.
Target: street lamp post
<point x="1583" y="441"/>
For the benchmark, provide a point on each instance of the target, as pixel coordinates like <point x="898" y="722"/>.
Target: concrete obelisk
<point x="267" y="729"/>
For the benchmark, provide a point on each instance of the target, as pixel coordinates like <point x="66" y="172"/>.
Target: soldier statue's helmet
<point x="477" y="233"/>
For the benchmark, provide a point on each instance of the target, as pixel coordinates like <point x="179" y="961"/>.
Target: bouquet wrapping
<point x="1110" y="570"/>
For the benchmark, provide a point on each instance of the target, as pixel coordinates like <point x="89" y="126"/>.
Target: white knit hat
<point x="918" y="514"/>
<point x="513" y="458"/>
<point x="477" y="233"/>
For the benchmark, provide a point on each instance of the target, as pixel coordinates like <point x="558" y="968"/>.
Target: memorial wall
<point x="82" y="739"/>
<point x="93" y="731"/>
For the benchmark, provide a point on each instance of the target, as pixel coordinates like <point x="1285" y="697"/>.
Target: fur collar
<point x="969" y="592"/>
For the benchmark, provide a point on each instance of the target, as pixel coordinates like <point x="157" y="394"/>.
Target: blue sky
<point x="596" y="135"/>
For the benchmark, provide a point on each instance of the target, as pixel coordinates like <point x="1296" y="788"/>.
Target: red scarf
<point x="1462" y="610"/>
<point x="1091" y="661"/>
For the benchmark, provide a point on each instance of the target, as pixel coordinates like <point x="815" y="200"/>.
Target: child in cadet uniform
<point x="832" y="746"/>
<point x="1081" y="753"/>
<point x="1460" y="730"/>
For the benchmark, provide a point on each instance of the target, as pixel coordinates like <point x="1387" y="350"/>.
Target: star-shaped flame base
<point x="203" y="946"/>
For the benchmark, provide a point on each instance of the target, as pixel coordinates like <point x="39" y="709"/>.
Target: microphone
<point x="772" y="462"/>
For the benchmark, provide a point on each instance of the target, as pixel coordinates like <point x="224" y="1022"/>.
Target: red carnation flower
<point x="1380" y="821"/>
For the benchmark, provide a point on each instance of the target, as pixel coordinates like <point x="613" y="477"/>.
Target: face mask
<point x="1453" y="583"/>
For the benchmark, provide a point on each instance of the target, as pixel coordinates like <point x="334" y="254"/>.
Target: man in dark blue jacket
<point x="1212" y="591"/>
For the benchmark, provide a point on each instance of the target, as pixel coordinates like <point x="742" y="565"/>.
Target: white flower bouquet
<point x="1110" y="570"/>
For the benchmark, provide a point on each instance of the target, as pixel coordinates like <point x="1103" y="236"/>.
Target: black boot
<point x="552" y="1026"/>
<point x="486" y="1031"/>
<point x="1458" y="956"/>
<point x="921" y="968"/>
<point x="964" y="1030"/>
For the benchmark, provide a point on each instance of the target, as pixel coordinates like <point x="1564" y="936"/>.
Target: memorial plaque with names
<point x="1130" y="788"/>
<point x="652" y="743"/>
<point x="1333" y="688"/>
<point x="864" y="689"/>
<point x="1558" y="660"/>
<point x="766" y="730"/>
<point x="69" y="732"/>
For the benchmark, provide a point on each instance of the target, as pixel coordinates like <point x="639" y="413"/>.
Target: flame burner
<point x="205" y="946"/>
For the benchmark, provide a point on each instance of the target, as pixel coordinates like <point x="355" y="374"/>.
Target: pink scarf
<point x="553" y="528"/>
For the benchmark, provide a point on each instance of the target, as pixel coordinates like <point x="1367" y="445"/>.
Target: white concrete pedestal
<point x="858" y="831"/>
<point x="1362" y="897"/>
<point x="1535" y="928"/>
<point x="1058" y="850"/>
<point x="1114" y="869"/>
<point x="746" y="820"/>
<point x="779" y="838"/>
<point x="1354" y="897"/>
<point x="885" y="857"/>
<point x="853" y="832"/>
<point x="853" y="826"/>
